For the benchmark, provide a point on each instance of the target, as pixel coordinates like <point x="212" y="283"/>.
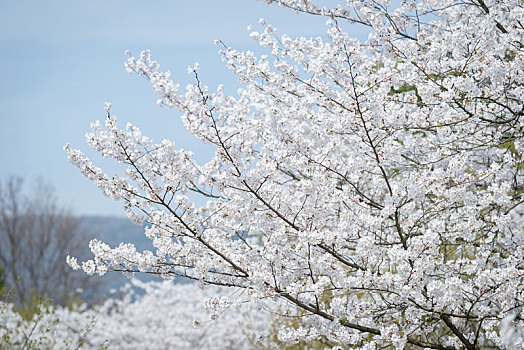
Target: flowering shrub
<point x="375" y="187"/>
<point x="43" y="331"/>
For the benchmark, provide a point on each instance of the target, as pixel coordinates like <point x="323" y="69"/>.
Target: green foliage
<point x="404" y="88"/>
<point x="39" y="327"/>
<point x="31" y="332"/>
<point x="509" y="144"/>
<point x="35" y="307"/>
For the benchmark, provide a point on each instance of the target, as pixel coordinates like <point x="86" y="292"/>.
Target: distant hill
<point x="114" y="230"/>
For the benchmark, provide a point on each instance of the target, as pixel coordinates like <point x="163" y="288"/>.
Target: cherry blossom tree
<point x="375" y="187"/>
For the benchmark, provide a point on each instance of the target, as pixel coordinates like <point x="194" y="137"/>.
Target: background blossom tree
<point x="176" y="312"/>
<point x="375" y="187"/>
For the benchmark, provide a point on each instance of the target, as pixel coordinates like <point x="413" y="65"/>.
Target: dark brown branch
<point x="457" y="332"/>
<point x="314" y="310"/>
<point x="482" y="4"/>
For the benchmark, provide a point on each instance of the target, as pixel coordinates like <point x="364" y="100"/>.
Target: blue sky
<point x="62" y="59"/>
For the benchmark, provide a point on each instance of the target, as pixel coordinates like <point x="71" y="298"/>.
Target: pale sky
<point x="62" y="59"/>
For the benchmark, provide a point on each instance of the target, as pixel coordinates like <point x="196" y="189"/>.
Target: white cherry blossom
<point x="375" y="187"/>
